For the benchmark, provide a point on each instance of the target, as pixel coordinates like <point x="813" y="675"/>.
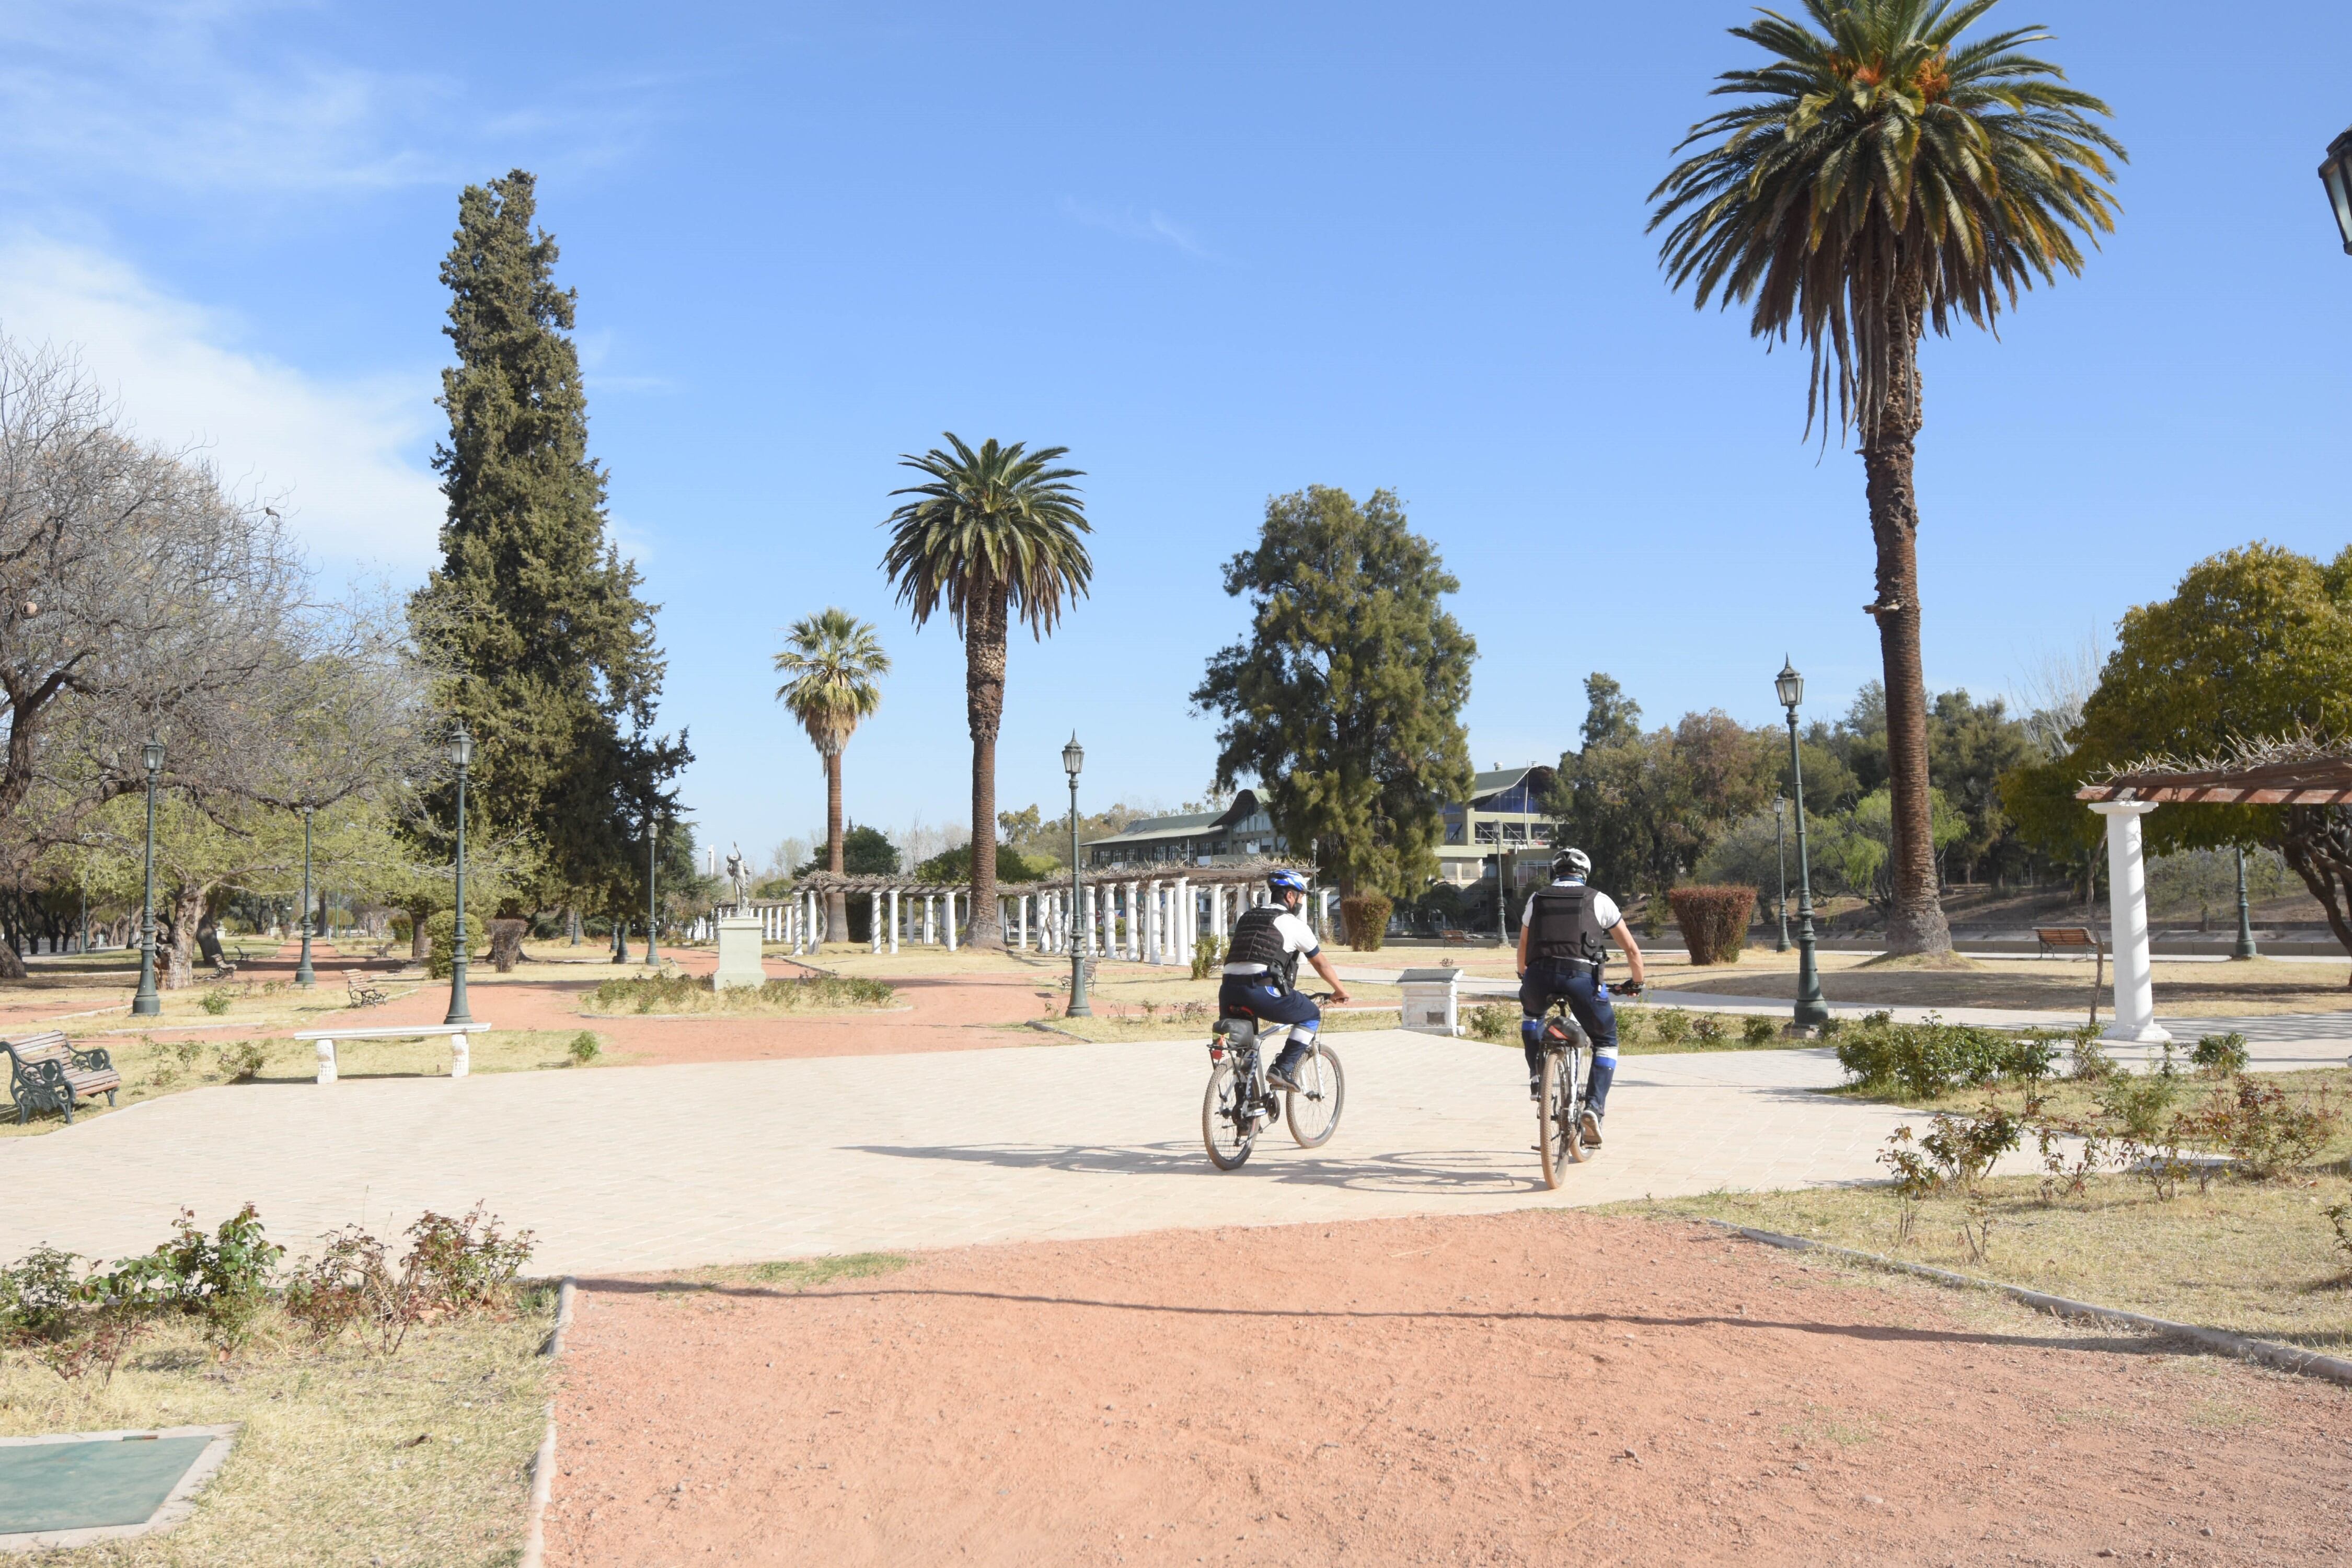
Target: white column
<point x="1323" y="913"/>
<point x="894" y="919"/>
<point x="1151" y="921"/>
<point x="2128" y="907"/>
<point x="1187" y="923"/>
<point x="950" y="922"/>
<point x="1135" y="921"/>
<point x="1021" y="919"/>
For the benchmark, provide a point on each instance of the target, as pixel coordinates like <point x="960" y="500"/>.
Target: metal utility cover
<point x="107" y="1484"/>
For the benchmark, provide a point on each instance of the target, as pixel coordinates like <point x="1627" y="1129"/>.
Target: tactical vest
<point x="1564" y="927"/>
<point x="1255" y="941"/>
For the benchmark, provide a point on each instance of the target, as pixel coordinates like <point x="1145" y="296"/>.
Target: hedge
<point x="1367" y="919"/>
<point x="1714" y="921"/>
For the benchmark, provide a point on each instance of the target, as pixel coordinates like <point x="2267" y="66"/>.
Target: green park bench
<point x="363" y="993"/>
<point x="45" y="1073"/>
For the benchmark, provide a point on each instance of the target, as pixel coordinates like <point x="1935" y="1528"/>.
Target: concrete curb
<point x="2270" y="1354"/>
<point x="543" y="1463"/>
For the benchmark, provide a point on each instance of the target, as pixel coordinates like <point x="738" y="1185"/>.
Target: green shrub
<point x="674" y="993"/>
<point x="2263" y="1130"/>
<point x="1673" y="1025"/>
<point x="241" y="1061"/>
<point x="1366" y="916"/>
<point x="1632" y="1024"/>
<point x="2092" y="1062"/>
<point x="1706" y="1028"/>
<point x="1208" y="953"/>
<point x="225" y="1277"/>
<point x="1714" y="921"/>
<point x="215" y="1001"/>
<point x="583" y="1047"/>
<point x="1494" y="1021"/>
<point x="1754" y="1030"/>
<point x="2222" y="1056"/>
<point x="1931" y="1059"/>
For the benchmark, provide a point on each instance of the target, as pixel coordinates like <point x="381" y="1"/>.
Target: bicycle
<point x="1239" y="1101"/>
<point x="1559" y="1098"/>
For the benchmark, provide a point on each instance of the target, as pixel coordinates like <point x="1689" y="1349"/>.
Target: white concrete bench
<point x="459" y="1047"/>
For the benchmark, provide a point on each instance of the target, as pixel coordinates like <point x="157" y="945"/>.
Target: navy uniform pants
<point x="1588" y="999"/>
<point x="1268" y="1000"/>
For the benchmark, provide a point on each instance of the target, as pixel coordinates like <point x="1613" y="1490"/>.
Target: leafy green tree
<point x="1881" y="176"/>
<point x="865" y="852"/>
<point x="1646" y="808"/>
<point x="2251" y="657"/>
<point x="992" y="534"/>
<point x="1345" y="698"/>
<point x="533" y="619"/>
<point x="1011" y="865"/>
<point x="1610" y="716"/>
<point x="833" y="663"/>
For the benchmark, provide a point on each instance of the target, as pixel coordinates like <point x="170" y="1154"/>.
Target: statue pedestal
<point x="738" y="952"/>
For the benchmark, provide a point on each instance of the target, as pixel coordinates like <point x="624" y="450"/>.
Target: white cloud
<point x="348" y="456"/>
<point x="1150" y="225"/>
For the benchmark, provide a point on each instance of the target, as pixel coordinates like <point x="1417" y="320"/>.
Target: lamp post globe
<point x="461" y="751"/>
<point x="1811" y="1012"/>
<point x="1074" y="757"/>
<point x="2336" y="175"/>
<point x="146" y="1003"/>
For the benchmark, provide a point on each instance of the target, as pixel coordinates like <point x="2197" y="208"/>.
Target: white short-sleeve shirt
<point x="1296" y="935"/>
<point x="1604" y="907"/>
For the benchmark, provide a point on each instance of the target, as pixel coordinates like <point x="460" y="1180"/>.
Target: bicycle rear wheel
<point x="1225" y="1128"/>
<point x="1313" y="1108"/>
<point x="1558" y="1122"/>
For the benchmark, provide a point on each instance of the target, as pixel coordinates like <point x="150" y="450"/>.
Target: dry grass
<point x="2063" y="985"/>
<point x="1109" y="1029"/>
<point x="328" y="1469"/>
<point x="151" y="1070"/>
<point x="2253" y="1257"/>
<point x="662" y="995"/>
<point x="793" y="1275"/>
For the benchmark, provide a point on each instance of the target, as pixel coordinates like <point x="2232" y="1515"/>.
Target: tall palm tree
<point x="993" y="534"/>
<point x="1881" y="177"/>
<point x="832" y="660"/>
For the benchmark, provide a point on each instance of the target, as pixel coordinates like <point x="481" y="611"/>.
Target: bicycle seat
<point x="1239" y="1028"/>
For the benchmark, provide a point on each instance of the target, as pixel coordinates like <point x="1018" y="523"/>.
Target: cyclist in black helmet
<point x="1262" y="964"/>
<point x="1560" y="955"/>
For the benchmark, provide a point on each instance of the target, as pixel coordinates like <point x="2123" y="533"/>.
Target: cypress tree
<point x="533" y="620"/>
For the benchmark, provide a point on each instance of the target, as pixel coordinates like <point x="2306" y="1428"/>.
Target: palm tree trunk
<point x="1914" y="918"/>
<point x="983" y="641"/>
<point x="837" y="902"/>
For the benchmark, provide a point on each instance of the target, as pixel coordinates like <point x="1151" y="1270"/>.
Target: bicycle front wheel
<point x="1313" y="1108"/>
<point x="1226" y="1128"/>
<point x="1558" y="1123"/>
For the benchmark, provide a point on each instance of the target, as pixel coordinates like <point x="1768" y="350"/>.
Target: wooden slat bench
<point x="2061" y="937"/>
<point x="363" y="994"/>
<point x="45" y="1073"/>
<point x="460" y="1051"/>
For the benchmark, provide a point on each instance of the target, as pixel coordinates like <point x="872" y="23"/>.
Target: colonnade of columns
<point x="1158" y="920"/>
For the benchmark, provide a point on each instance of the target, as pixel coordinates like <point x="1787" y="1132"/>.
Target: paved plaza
<point x="663" y="1167"/>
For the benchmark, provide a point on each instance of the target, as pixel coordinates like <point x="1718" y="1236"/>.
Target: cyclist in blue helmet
<point x="1262" y="967"/>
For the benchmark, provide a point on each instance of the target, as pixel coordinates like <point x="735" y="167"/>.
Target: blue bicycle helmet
<point x="1290" y="881"/>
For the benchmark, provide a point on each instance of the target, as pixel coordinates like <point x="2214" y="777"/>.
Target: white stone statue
<point x="739" y="874"/>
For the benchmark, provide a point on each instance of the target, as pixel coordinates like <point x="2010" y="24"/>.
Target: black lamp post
<point x="1811" y="1011"/>
<point x="1781" y="843"/>
<point x="303" y="974"/>
<point x="146" y="1003"/>
<point x="461" y="751"/>
<point x="2336" y="175"/>
<point x="1074" y="757"/>
<point x="2246" y="948"/>
<point x="653" y="851"/>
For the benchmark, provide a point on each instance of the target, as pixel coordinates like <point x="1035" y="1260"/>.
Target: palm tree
<point x="1882" y="177"/>
<point x="994" y="532"/>
<point x="832" y="660"/>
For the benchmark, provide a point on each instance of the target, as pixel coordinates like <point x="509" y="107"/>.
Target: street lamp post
<point x="1074" y="757"/>
<point x="461" y="751"/>
<point x="653" y="851"/>
<point x="2246" y="948"/>
<point x="303" y="974"/>
<point x="2336" y="175"/>
<point x="146" y="1003"/>
<point x="1781" y="841"/>
<point x="1811" y="1012"/>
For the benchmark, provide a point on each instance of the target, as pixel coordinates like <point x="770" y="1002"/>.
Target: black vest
<point x="1564" y="927"/>
<point x="1255" y="941"/>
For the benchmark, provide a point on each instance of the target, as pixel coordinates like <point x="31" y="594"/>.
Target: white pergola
<point x="2126" y="797"/>
<point x="1145" y="914"/>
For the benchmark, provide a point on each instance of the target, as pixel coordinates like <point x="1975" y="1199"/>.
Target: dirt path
<point x="1532" y="1388"/>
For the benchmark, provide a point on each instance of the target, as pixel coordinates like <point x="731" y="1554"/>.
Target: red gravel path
<point x="1543" y="1387"/>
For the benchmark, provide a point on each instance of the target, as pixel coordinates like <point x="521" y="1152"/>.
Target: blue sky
<point x="1218" y="252"/>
